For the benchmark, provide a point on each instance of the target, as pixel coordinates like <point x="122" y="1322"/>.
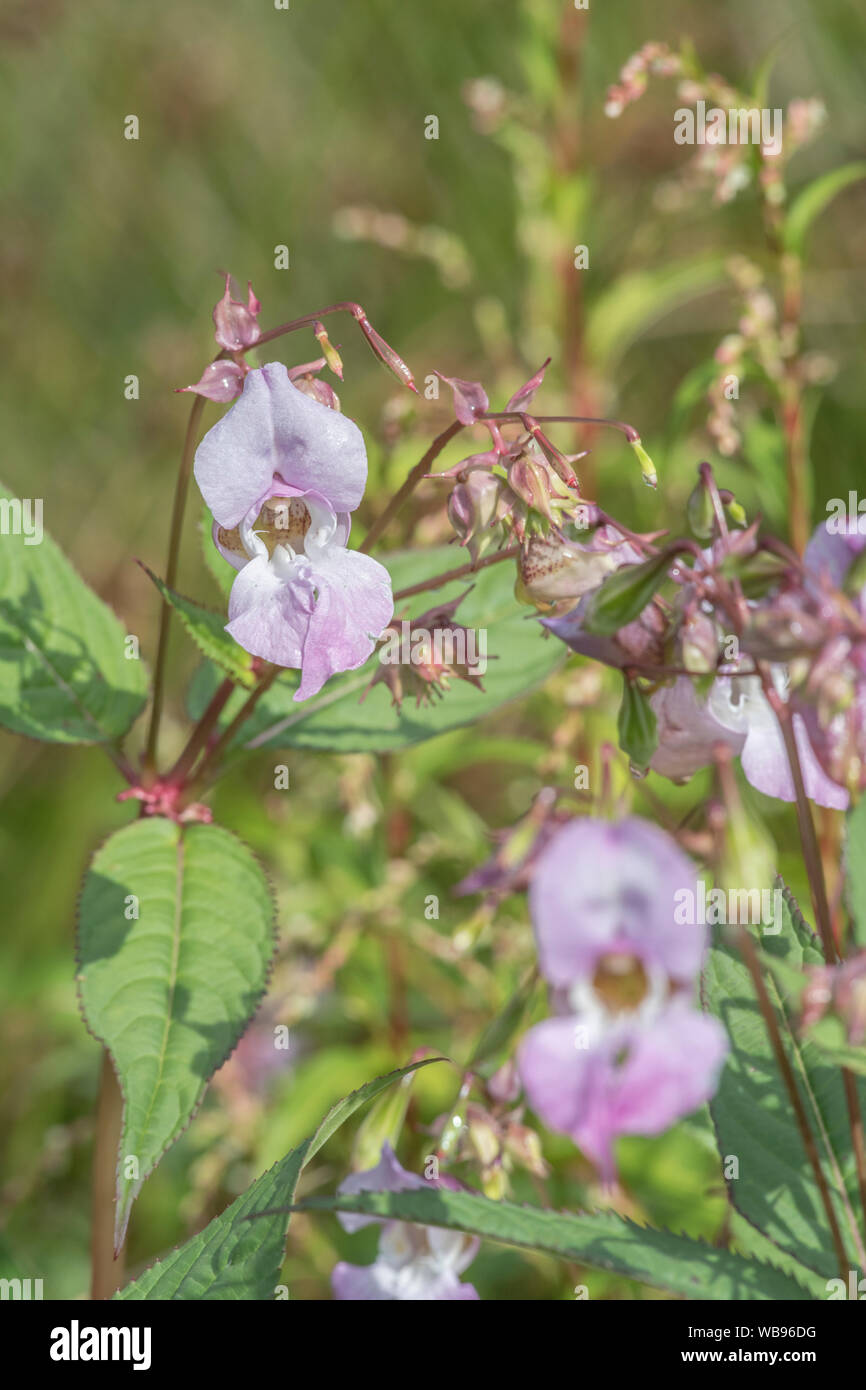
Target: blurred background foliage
<point x="305" y="127"/>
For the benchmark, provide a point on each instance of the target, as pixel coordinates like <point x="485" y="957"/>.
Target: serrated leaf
<point x="169" y="991"/>
<point x="602" y="1240"/>
<point x="208" y="630"/>
<point x="64" y="676"/>
<point x="775" y="1188"/>
<point x="520" y="658"/>
<point x="234" y="1257"/>
<point x="813" y="199"/>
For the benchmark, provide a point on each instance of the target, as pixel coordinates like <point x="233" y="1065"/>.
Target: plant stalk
<point x="106" y="1270"/>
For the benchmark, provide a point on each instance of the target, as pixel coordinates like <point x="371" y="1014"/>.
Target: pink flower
<point x="414" y="1263"/>
<point x="281" y="472"/>
<point x="626" y="1053"/>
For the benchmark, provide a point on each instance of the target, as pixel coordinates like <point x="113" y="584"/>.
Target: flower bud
<point x="221" y="381"/>
<point x="236" y="323"/>
<point x="332" y="357"/>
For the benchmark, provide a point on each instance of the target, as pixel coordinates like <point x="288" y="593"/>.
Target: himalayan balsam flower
<point x="281" y="472"/>
<point x="414" y="1263"/>
<point x="627" y="1052"/>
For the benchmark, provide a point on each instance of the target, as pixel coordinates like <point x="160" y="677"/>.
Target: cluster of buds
<point x="495" y="1139"/>
<point x="715" y="639"/>
<point x="761" y="341"/>
<point x="654" y="59"/>
<point x="421" y="656"/>
<point x="523" y="487"/>
<point x="237" y="330"/>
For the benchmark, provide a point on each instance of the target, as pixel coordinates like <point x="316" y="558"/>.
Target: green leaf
<point x="175" y="938"/>
<point x="812" y="201"/>
<point x="637" y="726"/>
<point x="855" y="870"/>
<point x="520" y="658"/>
<point x="747" y="1240"/>
<point x="64" y="675"/>
<point x="624" y="595"/>
<point x="501" y="1030"/>
<point x="208" y="630"/>
<point x="234" y="1257"/>
<point x="602" y="1240"/>
<point x="775" y="1188"/>
<point x="637" y="301"/>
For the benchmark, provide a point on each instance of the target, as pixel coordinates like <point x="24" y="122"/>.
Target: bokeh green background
<point x="259" y="127"/>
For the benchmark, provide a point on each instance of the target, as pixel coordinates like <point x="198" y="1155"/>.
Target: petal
<point x="599" y="886"/>
<point x="523" y="397"/>
<point x="687" y="731"/>
<point x="388" y="1176"/>
<point x="832" y="553"/>
<point x="765" y="761"/>
<point x="354" y="603"/>
<point x="560" y="1076"/>
<point x="359" y="1283"/>
<point x="274" y="429"/>
<point x="220" y="381"/>
<point x="671" y="1069"/>
<point x="668" y="1069"/>
<point x="470" y="398"/>
<point x="452" y="1250"/>
<point x="411" y="1283"/>
<point x="270" y="616"/>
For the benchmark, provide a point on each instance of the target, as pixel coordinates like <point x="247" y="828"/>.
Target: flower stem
<point x="407" y="487"/>
<point x="106" y="1270"/>
<point x="180" y="495"/>
<point x="212" y="755"/>
<point x="508" y="554"/>
<point x="202" y="731"/>
<point x="818" y="888"/>
<point x="747" y="950"/>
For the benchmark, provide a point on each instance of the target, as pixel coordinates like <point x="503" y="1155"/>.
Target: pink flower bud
<point x="237" y="325"/>
<point x="220" y="381"/>
<point x="470" y="398"/>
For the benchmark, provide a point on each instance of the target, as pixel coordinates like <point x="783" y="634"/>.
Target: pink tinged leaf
<point x="522" y="398"/>
<point x="220" y="381"/>
<point x="236" y="324"/>
<point x="470" y="398"/>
